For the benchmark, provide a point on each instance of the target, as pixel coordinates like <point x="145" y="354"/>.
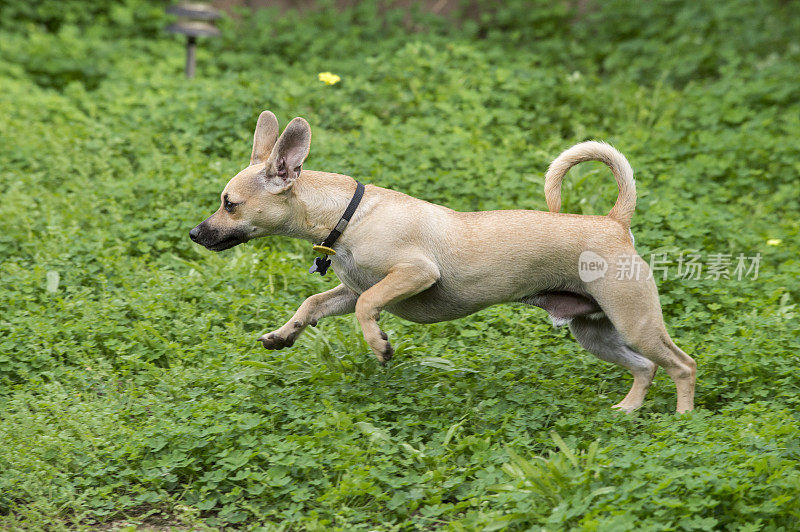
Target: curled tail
<point x="594" y="151"/>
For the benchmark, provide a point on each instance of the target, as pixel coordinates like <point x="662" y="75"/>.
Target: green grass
<point x="131" y="385"/>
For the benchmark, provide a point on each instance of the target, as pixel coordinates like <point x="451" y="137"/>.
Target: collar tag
<point x="321" y="265"/>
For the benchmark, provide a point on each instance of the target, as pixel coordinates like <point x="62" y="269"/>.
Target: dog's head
<point x="255" y="202"/>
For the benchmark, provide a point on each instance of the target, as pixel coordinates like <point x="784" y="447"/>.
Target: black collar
<point x="321" y="264"/>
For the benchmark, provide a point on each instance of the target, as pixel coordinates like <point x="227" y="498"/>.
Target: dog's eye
<point x="229" y="205"/>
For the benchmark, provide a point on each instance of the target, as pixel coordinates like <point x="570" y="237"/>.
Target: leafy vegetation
<point x="131" y="385"/>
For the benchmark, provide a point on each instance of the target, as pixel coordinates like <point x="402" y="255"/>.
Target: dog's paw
<point x="624" y="409"/>
<point x="274" y="341"/>
<point x="385" y="354"/>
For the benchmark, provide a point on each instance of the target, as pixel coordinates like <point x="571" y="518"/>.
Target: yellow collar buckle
<point x="325" y="250"/>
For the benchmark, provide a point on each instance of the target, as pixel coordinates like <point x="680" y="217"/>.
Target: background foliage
<point x="131" y="386"/>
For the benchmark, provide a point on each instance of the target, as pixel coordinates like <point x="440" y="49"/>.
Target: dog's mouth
<point x="209" y="237"/>
<point x="226" y="243"/>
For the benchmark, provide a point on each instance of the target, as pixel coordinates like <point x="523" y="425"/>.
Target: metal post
<point x="195" y="19"/>
<point x="191" y="50"/>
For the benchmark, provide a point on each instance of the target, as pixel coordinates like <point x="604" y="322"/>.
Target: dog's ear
<point x="264" y="138"/>
<point x="286" y="160"/>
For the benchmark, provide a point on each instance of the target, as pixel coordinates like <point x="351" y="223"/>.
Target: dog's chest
<point x="356" y="278"/>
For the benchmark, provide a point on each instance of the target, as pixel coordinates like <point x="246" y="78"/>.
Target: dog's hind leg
<point x="599" y="337"/>
<point x="634" y="309"/>
<point x="335" y="302"/>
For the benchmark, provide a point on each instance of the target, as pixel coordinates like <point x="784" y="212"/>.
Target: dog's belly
<point x="434" y="305"/>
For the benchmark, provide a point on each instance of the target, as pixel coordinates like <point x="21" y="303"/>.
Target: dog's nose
<point x="194" y="233"/>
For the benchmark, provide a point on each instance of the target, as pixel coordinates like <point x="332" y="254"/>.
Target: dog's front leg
<point x="403" y="281"/>
<point x="335" y="302"/>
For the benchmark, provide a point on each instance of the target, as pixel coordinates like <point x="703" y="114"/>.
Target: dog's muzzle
<point x="213" y="240"/>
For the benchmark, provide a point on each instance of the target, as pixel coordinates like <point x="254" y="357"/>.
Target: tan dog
<point x="427" y="263"/>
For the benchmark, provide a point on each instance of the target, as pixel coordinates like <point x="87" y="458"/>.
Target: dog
<point x="427" y="263"/>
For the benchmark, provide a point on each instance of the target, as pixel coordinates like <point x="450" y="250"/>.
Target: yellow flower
<point x="774" y="242"/>
<point x="329" y="79"/>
